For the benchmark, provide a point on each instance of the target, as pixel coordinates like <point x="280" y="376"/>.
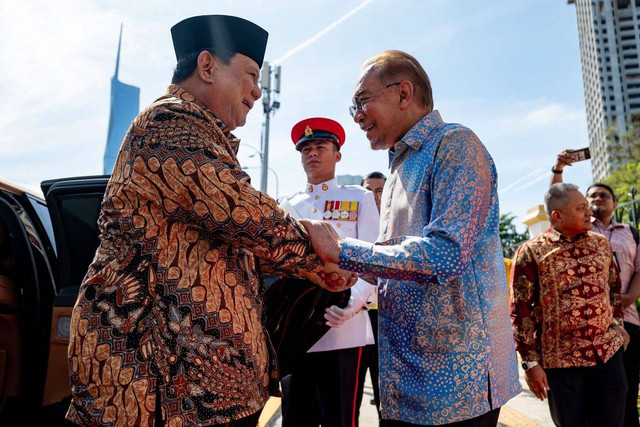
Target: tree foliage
<point x="625" y="178"/>
<point x="509" y="235"/>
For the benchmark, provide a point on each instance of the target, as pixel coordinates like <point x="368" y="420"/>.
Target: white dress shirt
<point x="352" y="212"/>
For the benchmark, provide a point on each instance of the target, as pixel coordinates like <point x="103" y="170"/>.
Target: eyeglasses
<point x="359" y="103"/>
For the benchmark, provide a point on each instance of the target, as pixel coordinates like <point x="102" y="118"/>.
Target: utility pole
<point x="269" y="107"/>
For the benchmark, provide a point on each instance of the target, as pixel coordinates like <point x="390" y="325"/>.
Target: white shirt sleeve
<point x="368" y="227"/>
<point x="368" y="219"/>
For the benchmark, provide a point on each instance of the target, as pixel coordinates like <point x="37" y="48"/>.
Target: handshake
<point x="327" y="245"/>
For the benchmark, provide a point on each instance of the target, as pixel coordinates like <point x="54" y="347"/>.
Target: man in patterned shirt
<point x="168" y="328"/>
<point x="445" y="342"/>
<point x="624" y="243"/>
<point x="567" y="315"/>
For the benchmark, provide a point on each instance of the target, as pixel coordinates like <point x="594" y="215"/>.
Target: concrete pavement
<point x="523" y="410"/>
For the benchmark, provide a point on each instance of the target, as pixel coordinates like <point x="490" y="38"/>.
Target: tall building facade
<point x="125" y="105"/>
<point x="609" y="35"/>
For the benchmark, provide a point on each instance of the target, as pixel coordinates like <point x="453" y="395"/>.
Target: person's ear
<point x="207" y="66"/>
<point x="556" y="216"/>
<point x="406" y="92"/>
<point x="338" y="156"/>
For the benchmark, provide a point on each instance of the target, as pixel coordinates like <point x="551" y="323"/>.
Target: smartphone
<point x="581" y="154"/>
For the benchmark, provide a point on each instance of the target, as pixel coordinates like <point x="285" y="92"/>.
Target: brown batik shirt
<point x="566" y="294"/>
<point x="169" y="319"/>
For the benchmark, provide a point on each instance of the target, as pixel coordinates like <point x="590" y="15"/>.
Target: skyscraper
<point x="609" y="35"/>
<point x="125" y="105"/>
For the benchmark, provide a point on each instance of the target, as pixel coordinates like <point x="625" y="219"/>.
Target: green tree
<point x="625" y="178"/>
<point x="509" y="236"/>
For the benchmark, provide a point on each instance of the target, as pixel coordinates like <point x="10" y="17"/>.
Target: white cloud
<point x="551" y="114"/>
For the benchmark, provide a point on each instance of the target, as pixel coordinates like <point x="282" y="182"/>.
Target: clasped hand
<point x="324" y="239"/>
<point x="336" y="279"/>
<point x="326" y="244"/>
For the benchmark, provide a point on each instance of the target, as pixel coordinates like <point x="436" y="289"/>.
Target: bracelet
<point x="556" y="171"/>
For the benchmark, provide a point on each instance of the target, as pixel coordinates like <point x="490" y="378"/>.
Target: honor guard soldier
<point x="323" y="388"/>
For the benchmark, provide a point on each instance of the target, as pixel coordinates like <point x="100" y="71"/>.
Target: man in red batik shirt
<point x="567" y="315"/>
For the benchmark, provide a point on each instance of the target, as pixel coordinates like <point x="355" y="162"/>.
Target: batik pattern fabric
<point x="445" y="341"/>
<point x="566" y="294"/>
<point x="168" y="324"/>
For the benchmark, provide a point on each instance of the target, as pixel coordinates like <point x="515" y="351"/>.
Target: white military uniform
<point x="352" y="212"/>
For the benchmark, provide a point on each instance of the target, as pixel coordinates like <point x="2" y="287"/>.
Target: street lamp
<point x="258" y="152"/>
<point x="269" y="108"/>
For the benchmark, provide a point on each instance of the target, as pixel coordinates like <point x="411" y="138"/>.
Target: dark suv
<point x="47" y="241"/>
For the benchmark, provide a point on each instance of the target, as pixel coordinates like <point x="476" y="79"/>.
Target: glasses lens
<point x="352" y="110"/>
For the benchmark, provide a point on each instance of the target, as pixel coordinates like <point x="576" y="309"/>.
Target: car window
<point x="79" y="215"/>
<point x="43" y="213"/>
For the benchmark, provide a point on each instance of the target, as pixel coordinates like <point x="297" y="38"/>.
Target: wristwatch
<point x="556" y="171"/>
<point x="528" y="365"/>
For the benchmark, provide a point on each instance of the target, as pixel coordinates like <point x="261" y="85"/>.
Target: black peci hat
<point x="219" y="32"/>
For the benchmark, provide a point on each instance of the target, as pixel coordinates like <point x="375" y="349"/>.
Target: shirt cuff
<point x="352" y="255"/>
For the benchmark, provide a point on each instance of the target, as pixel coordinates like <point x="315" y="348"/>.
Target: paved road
<point x="523" y="410"/>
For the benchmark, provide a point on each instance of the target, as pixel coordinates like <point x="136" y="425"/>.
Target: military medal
<point x="343" y="210"/>
<point x="335" y="210"/>
<point x="353" y="211"/>
<point x="327" y="210"/>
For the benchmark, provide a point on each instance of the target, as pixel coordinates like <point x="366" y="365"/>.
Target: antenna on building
<point x="118" y="56"/>
<point x="125" y="104"/>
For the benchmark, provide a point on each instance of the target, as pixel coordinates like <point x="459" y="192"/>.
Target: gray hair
<point x="557" y="196"/>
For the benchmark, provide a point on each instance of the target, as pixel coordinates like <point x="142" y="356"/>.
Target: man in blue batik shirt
<point x="445" y="340"/>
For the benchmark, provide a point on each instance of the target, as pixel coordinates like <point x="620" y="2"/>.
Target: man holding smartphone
<point x="624" y="242"/>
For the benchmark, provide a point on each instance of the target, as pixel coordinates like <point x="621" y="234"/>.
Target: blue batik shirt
<point x="445" y="338"/>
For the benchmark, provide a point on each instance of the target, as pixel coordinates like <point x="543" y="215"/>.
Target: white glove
<point x="360" y="294"/>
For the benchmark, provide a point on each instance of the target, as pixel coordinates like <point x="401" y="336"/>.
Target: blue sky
<point x="509" y="70"/>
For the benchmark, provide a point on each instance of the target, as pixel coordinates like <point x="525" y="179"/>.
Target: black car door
<point x="26" y="295"/>
<point x="74" y="205"/>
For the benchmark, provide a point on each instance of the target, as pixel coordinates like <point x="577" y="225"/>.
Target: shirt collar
<point x="417" y="135"/>
<point x="556" y="236"/>
<point x="599" y="224"/>
<point x="322" y="187"/>
<point x="419" y="132"/>
<point x="178" y="92"/>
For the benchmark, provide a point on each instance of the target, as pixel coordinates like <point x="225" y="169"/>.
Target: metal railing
<point x="628" y="212"/>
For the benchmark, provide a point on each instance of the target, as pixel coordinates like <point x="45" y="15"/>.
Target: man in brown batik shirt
<point x="168" y="326"/>
<point x="567" y="317"/>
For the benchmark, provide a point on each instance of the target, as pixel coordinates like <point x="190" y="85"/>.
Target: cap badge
<point x="308" y="131"/>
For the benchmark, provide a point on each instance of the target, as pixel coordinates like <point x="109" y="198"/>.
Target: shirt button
<point x="314" y="210"/>
<point x="317" y="197"/>
<point x="339" y="225"/>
